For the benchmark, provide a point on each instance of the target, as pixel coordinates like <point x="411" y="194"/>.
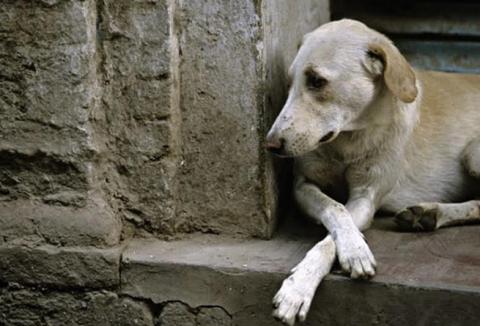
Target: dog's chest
<point x="326" y="172"/>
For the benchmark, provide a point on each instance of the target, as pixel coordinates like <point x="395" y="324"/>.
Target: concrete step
<point x="422" y="278"/>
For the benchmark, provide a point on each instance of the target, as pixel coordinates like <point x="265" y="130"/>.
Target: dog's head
<point x="336" y="75"/>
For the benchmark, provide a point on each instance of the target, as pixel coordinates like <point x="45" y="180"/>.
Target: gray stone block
<point x="71" y="267"/>
<point x="50" y="182"/>
<point x="46" y="95"/>
<point x="213" y="316"/>
<point x="139" y="96"/>
<point x="221" y="177"/>
<point x="27" y="307"/>
<point x="180" y="314"/>
<point x="176" y="314"/>
<point x="234" y="60"/>
<point x="26" y="221"/>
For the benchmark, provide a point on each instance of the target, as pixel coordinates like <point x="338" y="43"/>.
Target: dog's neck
<point x="384" y="128"/>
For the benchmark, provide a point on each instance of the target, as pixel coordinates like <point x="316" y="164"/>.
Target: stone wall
<point x="126" y="117"/>
<point x="138" y="63"/>
<point x="23" y="306"/>
<point x="50" y="152"/>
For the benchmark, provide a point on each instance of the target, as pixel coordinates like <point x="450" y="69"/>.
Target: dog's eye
<point x="375" y="55"/>
<point x="314" y="81"/>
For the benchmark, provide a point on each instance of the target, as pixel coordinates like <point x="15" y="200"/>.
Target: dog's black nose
<point x="275" y="146"/>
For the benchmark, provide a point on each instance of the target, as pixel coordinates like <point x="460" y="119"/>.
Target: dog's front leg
<point x="294" y="298"/>
<point x="353" y="253"/>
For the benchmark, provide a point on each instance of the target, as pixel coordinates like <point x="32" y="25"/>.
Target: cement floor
<point x="422" y="278"/>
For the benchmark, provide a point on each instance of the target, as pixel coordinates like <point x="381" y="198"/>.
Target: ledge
<point x="29" y="222"/>
<point x="422" y="277"/>
<point x="61" y="267"/>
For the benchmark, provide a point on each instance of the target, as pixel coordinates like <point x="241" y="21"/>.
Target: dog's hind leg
<point x="431" y="216"/>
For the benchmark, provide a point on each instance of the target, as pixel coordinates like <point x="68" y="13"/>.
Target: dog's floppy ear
<point x="397" y="73"/>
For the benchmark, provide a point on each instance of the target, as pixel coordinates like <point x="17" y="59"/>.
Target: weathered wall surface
<point x="221" y="175"/>
<point x="23" y="306"/>
<point x="139" y="64"/>
<point x="148" y="112"/>
<point x="49" y="151"/>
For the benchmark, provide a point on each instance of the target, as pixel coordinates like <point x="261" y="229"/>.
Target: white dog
<point x="360" y="120"/>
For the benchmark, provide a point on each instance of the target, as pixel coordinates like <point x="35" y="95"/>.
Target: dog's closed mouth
<point x="328" y="137"/>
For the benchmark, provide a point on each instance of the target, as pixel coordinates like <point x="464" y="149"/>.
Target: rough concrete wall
<point x="221" y="183"/>
<point x="179" y="314"/>
<point x="60" y="267"/>
<point x="139" y="65"/>
<point x="48" y="148"/>
<point x="88" y="95"/>
<point x="24" y="306"/>
<point x="148" y="112"/>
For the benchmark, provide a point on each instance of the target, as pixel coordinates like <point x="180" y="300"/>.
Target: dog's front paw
<point x="293" y="300"/>
<point x="355" y="256"/>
